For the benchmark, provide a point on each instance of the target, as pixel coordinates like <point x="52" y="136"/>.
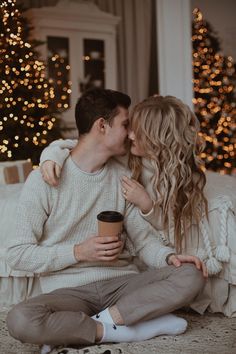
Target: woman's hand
<point x="50" y="172"/>
<point x="135" y="193"/>
<point x="178" y="259"/>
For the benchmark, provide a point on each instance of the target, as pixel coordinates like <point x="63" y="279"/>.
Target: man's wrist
<point x="168" y="257"/>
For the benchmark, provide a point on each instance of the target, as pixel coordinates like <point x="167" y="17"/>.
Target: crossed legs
<point x="63" y="316"/>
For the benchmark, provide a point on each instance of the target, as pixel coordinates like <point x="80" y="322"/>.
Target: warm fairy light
<point x="215" y="98"/>
<point x="26" y="96"/>
<point x="60" y="69"/>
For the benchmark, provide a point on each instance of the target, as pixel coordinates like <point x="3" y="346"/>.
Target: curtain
<point x="137" y="74"/>
<point x="133" y="44"/>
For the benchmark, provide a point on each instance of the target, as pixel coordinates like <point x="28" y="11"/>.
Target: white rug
<point x="206" y="334"/>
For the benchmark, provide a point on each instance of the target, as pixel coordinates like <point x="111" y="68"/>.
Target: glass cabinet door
<point x="59" y="70"/>
<point x="93" y="64"/>
<point x="80" y="50"/>
<point x="77" y="61"/>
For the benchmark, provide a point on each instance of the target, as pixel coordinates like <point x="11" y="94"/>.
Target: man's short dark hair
<point x="97" y="103"/>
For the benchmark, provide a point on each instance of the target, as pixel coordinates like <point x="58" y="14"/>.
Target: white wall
<point x="174" y="49"/>
<point x="221" y="14"/>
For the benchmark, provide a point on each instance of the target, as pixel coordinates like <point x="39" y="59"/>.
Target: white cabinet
<point x="79" y="47"/>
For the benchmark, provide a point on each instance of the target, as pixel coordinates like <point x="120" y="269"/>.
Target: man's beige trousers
<point x="63" y="316"/>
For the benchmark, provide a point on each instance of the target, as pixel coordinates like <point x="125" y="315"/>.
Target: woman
<point x="170" y="188"/>
<point x="165" y="132"/>
<point x="164" y="158"/>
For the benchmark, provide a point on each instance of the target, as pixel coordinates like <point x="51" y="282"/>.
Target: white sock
<point x="167" y="324"/>
<point x="45" y="349"/>
<point x="103" y="316"/>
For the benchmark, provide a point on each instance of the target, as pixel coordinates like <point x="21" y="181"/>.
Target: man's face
<point x="116" y="134"/>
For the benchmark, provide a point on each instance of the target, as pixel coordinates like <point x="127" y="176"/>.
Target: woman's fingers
<point x="128" y="181"/>
<point x="57" y="170"/>
<point x="49" y="170"/>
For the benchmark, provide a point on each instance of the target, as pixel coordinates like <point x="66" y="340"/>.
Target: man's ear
<point x="100" y="125"/>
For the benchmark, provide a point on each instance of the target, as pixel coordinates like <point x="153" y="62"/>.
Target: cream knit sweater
<point x="51" y="220"/>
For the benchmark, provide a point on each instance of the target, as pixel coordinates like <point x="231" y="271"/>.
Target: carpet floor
<point x="208" y="334"/>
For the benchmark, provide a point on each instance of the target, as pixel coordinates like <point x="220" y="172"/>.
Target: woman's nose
<point x="131" y="135"/>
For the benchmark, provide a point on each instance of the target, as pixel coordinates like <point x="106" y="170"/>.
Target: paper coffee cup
<point x="110" y="223"/>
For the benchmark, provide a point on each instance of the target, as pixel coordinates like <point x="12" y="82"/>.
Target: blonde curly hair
<point x="167" y="130"/>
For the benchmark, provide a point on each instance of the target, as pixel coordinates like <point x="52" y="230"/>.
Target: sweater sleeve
<point x="145" y="239"/>
<point x="27" y="251"/>
<point x="154" y="217"/>
<point x="58" y="151"/>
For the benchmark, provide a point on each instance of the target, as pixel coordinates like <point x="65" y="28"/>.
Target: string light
<point x="59" y="67"/>
<point x="215" y="97"/>
<point x="27" y="98"/>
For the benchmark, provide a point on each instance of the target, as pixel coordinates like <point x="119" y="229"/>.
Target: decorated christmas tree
<point x="28" y="120"/>
<point x="215" y="97"/>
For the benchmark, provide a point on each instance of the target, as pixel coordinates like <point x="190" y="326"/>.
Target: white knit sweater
<point x="51" y="220"/>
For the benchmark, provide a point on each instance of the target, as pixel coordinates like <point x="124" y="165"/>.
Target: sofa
<point x="219" y="294"/>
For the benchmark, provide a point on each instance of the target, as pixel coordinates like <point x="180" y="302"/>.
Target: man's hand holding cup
<point x="108" y="244"/>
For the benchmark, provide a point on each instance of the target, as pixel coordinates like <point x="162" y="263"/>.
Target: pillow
<point x="220" y="185"/>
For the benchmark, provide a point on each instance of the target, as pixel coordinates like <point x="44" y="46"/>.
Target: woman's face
<point x="135" y="148"/>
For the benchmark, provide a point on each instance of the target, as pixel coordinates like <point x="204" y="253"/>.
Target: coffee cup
<point x="110" y="223"/>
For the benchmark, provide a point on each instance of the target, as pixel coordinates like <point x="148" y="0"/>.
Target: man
<point x="82" y="273"/>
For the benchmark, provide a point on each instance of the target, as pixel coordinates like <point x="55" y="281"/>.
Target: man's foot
<point x="164" y="325"/>
<point x="103" y="316"/>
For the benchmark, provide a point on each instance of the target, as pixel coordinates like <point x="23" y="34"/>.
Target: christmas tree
<point x="215" y="98"/>
<point x="27" y="100"/>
